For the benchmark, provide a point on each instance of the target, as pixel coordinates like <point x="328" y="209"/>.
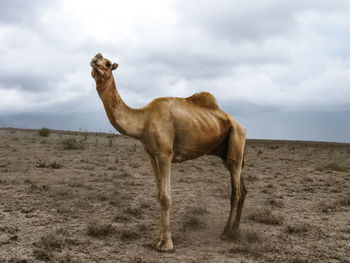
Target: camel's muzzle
<point x="96" y="60"/>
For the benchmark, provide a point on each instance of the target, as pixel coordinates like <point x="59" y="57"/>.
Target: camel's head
<point x="102" y="68"/>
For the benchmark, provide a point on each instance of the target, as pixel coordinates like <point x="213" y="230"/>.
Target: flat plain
<point x="91" y="197"/>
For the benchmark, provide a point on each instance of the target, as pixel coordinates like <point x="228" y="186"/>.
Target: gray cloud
<point x="22" y="11"/>
<point x="250" y="20"/>
<point x="253" y="56"/>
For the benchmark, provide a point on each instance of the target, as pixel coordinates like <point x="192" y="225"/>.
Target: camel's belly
<point x="189" y="146"/>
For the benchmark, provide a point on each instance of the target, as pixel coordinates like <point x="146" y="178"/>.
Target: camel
<point x="175" y="129"/>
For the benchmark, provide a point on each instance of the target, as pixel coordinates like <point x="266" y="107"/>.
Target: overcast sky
<point x="272" y="64"/>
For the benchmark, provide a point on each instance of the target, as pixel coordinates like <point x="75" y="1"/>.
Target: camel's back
<point x="204" y="99"/>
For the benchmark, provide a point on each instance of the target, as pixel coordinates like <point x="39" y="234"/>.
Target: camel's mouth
<point x="96" y="63"/>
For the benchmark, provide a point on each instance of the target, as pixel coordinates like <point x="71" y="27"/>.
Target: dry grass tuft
<point x="333" y="167"/>
<point x="72" y="143"/>
<point x="54" y="165"/>
<point x="192" y="223"/>
<point x="129" y="234"/>
<point x="52" y="243"/>
<point x="136" y="212"/>
<point x="44" y="132"/>
<point x="344" y="201"/>
<point x="99" y="230"/>
<point x="250" y="242"/>
<point x="192" y="220"/>
<point x="121" y="218"/>
<point x="275" y="203"/>
<point x="298" y="229"/>
<point x="265" y="216"/>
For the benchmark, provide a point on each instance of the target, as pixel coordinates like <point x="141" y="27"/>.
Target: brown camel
<point x="174" y="130"/>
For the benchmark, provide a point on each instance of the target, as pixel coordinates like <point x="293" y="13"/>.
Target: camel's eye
<point x="108" y="64"/>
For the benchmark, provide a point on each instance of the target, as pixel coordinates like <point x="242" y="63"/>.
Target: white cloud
<point x="286" y="55"/>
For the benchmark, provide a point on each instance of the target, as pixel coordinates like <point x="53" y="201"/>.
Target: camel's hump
<point x="204" y="99"/>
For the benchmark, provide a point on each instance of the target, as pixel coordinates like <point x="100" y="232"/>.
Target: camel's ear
<point x="114" y="66"/>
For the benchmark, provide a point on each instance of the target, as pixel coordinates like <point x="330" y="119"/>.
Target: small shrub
<point x="333" y="167"/>
<point x="47" y="244"/>
<point x="51" y="244"/>
<point x="121" y="218"/>
<point x="72" y="143"/>
<point x="298" y="229"/>
<point x="129" y="234"/>
<point x="192" y="223"/>
<point x="42" y="255"/>
<point x="137" y="212"/>
<point x="110" y="141"/>
<point x="17" y="259"/>
<point x="41" y="164"/>
<point x="99" y="230"/>
<point x="266" y="216"/>
<point x="55" y="165"/>
<point x="252" y="236"/>
<point x="252" y="243"/>
<point x="275" y="203"/>
<point x="344" y="201"/>
<point x="44" y="132"/>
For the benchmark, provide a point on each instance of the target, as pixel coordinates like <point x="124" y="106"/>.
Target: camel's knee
<point x="164" y="201"/>
<point x="235" y="196"/>
<point x="239" y="194"/>
<point x="234" y="164"/>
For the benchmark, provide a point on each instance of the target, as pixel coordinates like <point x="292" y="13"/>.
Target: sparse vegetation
<point x="344" y="201"/>
<point x="336" y="167"/>
<point x="115" y="188"/>
<point x="72" y="143"/>
<point x="51" y="243"/>
<point x="275" y="203"/>
<point x="192" y="223"/>
<point x="128" y="234"/>
<point x="136" y="212"/>
<point x="42" y="164"/>
<point x="44" y="132"/>
<point x="250" y="242"/>
<point x="122" y="218"/>
<point x="298" y="228"/>
<point x="265" y="216"/>
<point x="95" y="229"/>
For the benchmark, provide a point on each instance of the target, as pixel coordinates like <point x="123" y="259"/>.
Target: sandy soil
<point x="98" y="204"/>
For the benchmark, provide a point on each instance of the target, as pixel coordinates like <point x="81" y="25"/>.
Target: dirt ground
<point x="98" y="203"/>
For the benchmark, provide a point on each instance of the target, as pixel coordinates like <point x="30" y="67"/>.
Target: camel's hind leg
<point x="234" y="163"/>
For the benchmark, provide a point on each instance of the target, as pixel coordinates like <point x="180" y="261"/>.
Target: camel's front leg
<point x="164" y="197"/>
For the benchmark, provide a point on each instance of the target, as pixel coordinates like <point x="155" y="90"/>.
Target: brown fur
<point x="174" y="130"/>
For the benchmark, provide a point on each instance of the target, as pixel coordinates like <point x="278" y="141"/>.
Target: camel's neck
<point x="126" y="120"/>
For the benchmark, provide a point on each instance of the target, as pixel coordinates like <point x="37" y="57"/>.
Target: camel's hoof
<point x="227" y="235"/>
<point x="164" y="245"/>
